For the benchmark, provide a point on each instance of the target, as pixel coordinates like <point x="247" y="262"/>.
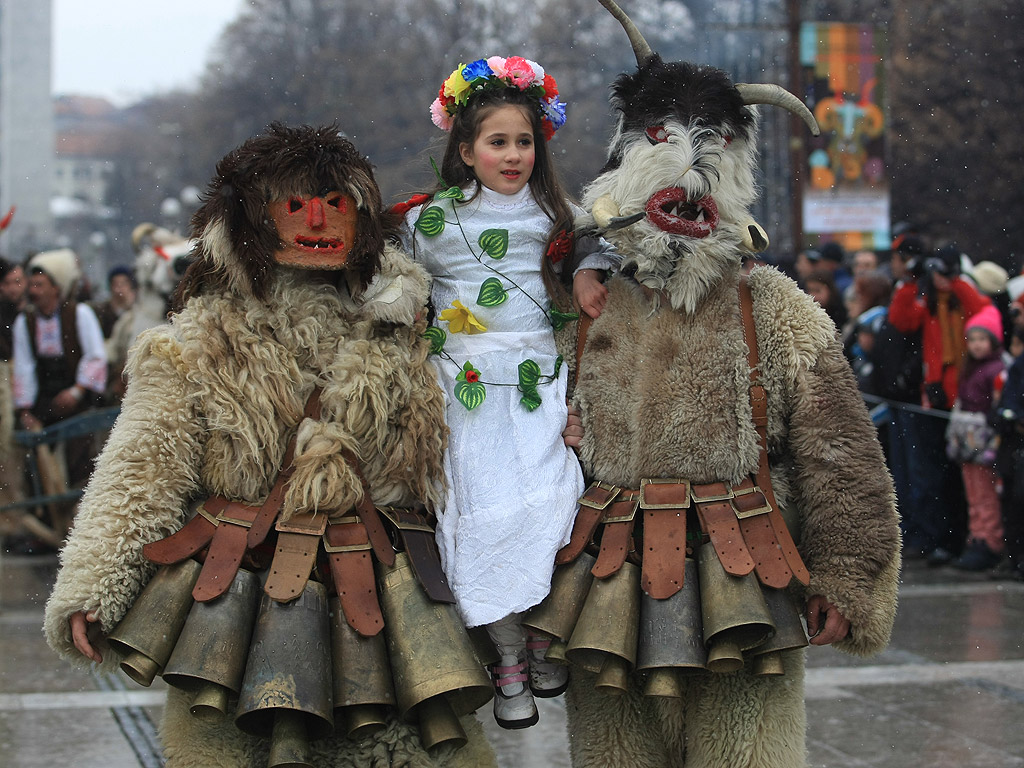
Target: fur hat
<point x="990" y="277"/>
<point x="61" y="266"/>
<point x="987" y="319"/>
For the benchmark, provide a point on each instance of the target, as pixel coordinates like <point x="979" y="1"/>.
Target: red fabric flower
<point x="472" y="376"/>
<point x="403" y="208"/>
<point x="550" y="86"/>
<point x="560" y="247"/>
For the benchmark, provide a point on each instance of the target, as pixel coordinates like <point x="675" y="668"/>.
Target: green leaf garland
<point x="437" y="338"/>
<point x="560" y="319"/>
<point x="469" y="390"/>
<point x="431" y="221"/>
<point x="494" y="242"/>
<point x="491" y="293"/>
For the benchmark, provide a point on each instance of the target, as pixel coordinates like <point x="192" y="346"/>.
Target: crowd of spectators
<point x="935" y="342"/>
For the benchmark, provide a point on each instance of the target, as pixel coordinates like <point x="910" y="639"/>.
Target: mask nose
<point x="315" y="214"/>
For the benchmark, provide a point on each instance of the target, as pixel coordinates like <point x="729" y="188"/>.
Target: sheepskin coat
<point x="211" y="402"/>
<point x="664" y="394"/>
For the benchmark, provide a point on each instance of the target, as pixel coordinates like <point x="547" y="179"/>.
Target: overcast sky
<point x="126" y="49"/>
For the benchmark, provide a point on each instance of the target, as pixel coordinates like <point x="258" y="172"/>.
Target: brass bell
<point x="147" y="634"/>
<point x="671" y="636"/>
<point x="556" y="615"/>
<point x="363" y="693"/>
<point x="209" y="658"/>
<point x="733" y="612"/>
<point x="608" y="626"/>
<point x="556" y="652"/>
<point x="431" y="655"/>
<point x="789" y="632"/>
<point x="486" y="651"/>
<point x="287" y="688"/>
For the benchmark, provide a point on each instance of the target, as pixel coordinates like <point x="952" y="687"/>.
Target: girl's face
<point x="503" y="153"/>
<point x="979" y="343"/>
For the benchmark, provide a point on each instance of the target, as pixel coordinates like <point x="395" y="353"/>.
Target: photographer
<point x="936" y="301"/>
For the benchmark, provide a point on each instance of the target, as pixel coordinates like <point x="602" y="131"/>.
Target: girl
<point x="972" y="442"/>
<point x="495" y="236"/>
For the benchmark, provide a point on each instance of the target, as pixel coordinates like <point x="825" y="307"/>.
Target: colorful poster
<point x="846" y="188"/>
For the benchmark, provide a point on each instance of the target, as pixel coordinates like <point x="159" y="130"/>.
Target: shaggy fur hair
<point x="238" y="238"/>
<point x="663" y="390"/>
<point x="211" y="403"/>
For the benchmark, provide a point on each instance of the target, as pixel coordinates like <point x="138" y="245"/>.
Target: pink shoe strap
<point x="537" y="642"/>
<point x="503" y="676"/>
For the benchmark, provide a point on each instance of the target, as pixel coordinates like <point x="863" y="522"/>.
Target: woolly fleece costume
<point x="210" y="405"/>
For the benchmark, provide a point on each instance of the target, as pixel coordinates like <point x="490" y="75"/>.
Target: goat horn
<point x="767" y="93"/>
<point x="640" y="47"/>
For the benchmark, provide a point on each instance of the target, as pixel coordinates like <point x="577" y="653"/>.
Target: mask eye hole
<point x="336" y="201"/>
<point x="657" y="134"/>
<point x="295" y="204"/>
<point x="727" y="140"/>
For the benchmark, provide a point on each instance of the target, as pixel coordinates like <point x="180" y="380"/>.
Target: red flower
<point x="472" y="376"/>
<point x="550" y="86"/>
<point x="560" y="247"/>
<point x="403" y="208"/>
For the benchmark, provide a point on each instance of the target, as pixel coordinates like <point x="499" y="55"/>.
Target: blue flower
<point x="554" y="110"/>
<point x="475" y="70"/>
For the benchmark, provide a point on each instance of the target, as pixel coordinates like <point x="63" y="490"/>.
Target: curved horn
<point x="141" y="232"/>
<point x="640" y="47"/>
<point x="766" y="93"/>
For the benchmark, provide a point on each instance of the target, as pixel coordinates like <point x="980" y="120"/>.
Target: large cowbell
<point x="671" y="638"/>
<point x="437" y="673"/>
<point x="209" y="658"/>
<point x="605" y="637"/>
<point x="147" y="634"/>
<point x="287" y="691"/>
<point x="556" y="615"/>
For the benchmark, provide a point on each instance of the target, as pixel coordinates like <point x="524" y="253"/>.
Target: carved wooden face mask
<point x="316" y="232"/>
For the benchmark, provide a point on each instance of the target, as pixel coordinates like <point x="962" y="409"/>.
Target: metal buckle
<point x="614" y="489"/>
<point x="201" y="510"/>
<point x="644" y="504"/>
<point x="727" y="496"/>
<point x="222" y="518"/>
<point x="625" y="518"/>
<point x="759" y="510"/>
<point x="317" y="529"/>
<point x="389" y="514"/>
<point x="347" y="548"/>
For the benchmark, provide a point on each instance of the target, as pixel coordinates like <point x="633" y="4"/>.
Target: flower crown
<point x="493" y="74"/>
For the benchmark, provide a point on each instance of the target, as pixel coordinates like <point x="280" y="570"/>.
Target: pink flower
<point x="439" y="116"/>
<point x="497" y="65"/>
<point x="519" y="71"/>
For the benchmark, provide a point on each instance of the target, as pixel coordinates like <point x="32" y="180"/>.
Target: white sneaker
<point x="547" y="679"/>
<point x="514" y="706"/>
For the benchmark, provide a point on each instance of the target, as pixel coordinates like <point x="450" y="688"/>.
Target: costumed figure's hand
<point x="80" y="622"/>
<point x="825" y="624"/>
<point x="573" y="432"/>
<point x="589" y="292"/>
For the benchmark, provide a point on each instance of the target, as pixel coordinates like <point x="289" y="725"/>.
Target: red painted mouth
<point x="319" y="244"/>
<point x="670" y="210"/>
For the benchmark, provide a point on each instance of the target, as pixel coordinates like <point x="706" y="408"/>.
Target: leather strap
<point x="617" y="534"/>
<point x="718" y="520"/>
<point x="593" y="502"/>
<point x="226" y="551"/>
<point x="752" y="512"/>
<point x="272" y="504"/>
<point x="419" y="543"/>
<point x="298" y="540"/>
<point x="664" y="504"/>
<point x="759" y="406"/>
<point x="582" y="326"/>
<point x="367" y="512"/>
<point x="348" y="551"/>
<point x="190" y="539"/>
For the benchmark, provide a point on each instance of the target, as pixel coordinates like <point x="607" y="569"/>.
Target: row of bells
<point x="716" y="623"/>
<point x="292" y="670"/>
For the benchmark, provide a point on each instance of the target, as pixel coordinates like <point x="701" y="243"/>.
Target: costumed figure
<point x="711" y="405"/>
<point x="494" y="236"/>
<point x="275" y="445"/>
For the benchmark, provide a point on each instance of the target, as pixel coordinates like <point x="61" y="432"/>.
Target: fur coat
<point x="664" y="393"/>
<point x="211" y="403"/>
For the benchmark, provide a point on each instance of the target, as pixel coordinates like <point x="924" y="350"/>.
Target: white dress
<point x="512" y="483"/>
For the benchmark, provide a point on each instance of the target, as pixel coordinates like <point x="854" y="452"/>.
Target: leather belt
<point x="190" y="539"/>
<point x="348" y="552"/>
<point x="593" y="502"/>
<point x="227" y="548"/>
<point x="718" y="520"/>
<point x="298" y="540"/>
<point x="617" y="534"/>
<point x="418" y="541"/>
<point x="664" y="504"/>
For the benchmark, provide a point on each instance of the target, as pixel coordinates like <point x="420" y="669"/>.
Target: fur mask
<point x="237" y="236"/>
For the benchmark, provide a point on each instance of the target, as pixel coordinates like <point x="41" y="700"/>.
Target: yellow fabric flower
<point x="461" y="320"/>
<point x="456" y="86"/>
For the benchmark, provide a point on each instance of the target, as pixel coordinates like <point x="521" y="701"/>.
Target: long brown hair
<point x="545" y="186"/>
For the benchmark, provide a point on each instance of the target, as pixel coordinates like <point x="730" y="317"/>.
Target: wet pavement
<point x="949" y="691"/>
